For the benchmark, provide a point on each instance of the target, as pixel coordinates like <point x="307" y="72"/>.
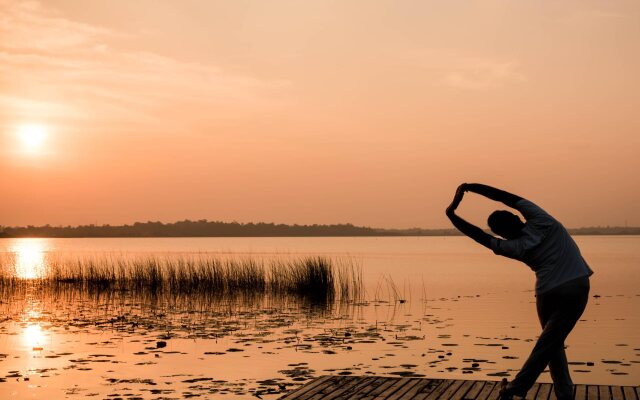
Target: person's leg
<point x="559" y="368"/>
<point x="558" y="365"/>
<point x="548" y="344"/>
<point x="559" y="311"/>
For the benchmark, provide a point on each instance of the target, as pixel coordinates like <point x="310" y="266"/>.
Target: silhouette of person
<point x="562" y="279"/>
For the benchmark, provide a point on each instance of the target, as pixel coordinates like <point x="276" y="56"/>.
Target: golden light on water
<point x="30" y="257"/>
<point x="33" y="336"/>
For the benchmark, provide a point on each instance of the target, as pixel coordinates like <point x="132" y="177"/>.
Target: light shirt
<point x="546" y="247"/>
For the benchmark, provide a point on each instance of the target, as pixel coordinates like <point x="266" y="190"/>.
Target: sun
<point x="32" y="137"/>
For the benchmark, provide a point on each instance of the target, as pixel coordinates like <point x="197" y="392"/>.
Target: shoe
<point x="503" y="394"/>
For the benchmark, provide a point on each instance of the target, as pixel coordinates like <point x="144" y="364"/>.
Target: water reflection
<point x="33" y="336"/>
<point x="30" y="257"/>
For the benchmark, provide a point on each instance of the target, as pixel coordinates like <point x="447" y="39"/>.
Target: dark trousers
<point x="558" y="310"/>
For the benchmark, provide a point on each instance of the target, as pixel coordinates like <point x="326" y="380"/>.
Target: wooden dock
<point x="378" y="388"/>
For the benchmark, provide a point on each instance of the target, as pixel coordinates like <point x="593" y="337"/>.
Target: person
<point x="562" y="279"/>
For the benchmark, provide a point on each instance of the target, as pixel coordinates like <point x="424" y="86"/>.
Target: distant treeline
<point x="201" y="228"/>
<point x="204" y="228"/>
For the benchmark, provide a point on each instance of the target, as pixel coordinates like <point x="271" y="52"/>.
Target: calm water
<point x="466" y="314"/>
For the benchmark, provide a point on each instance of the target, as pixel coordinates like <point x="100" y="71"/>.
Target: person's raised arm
<point x="492" y="193"/>
<point x="463" y="226"/>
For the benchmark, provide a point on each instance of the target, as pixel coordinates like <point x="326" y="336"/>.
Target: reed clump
<point x="311" y="277"/>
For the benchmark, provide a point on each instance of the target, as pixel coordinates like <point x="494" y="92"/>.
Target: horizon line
<point x="3" y="228"/>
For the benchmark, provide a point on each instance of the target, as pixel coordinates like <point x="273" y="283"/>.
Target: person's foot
<point x="564" y="392"/>
<point x="504" y="395"/>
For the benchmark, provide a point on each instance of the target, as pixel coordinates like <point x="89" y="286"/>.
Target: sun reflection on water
<point x="30" y="257"/>
<point x="33" y="336"/>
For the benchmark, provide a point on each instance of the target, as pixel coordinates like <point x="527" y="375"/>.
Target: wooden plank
<point x="399" y="394"/>
<point x="348" y="388"/>
<point x="397" y="384"/>
<point x="311" y="386"/>
<point x="379" y="381"/>
<point x="581" y="392"/>
<point x="390" y="388"/>
<point x="604" y="392"/>
<point x="495" y="393"/>
<point x="425" y="386"/>
<point x="380" y="389"/>
<point x="436" y="392"/>
<point x="629" y="393"/>
<point x="464" y="388"/>
<point x="533" y="392"/>
<point x="592" y="392"/>
<point x="328" y="387"/>
<point x="346" y="391"/>
<point x="339" y="386"/>
<point x="486" y="390"/>
<point x="449" y="391"/>
<point x="616" y="393"/>
<point x="474" y="390"/>
<point x="544" y="391"/>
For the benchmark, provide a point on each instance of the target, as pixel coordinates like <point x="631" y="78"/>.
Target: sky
<point x="363" y="112"/>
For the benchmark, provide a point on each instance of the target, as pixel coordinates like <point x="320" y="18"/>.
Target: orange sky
<point x="316" y="111"/>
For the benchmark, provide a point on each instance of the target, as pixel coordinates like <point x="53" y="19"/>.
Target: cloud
<point x="51" y="66"/>
<point x="484" y="75"/>
<point x="591" y="17"/>
<point x="461" y="69"/>
<point x="30" y="25"/>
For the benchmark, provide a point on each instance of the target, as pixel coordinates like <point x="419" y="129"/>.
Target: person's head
<point x="505" y="224"/>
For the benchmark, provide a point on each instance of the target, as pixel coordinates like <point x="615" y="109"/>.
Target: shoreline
<point x="571" y="231"/>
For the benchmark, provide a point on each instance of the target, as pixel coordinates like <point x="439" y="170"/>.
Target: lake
<point x="441" y="307"/>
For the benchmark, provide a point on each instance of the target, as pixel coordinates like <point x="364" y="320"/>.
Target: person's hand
<point x="457" y="198"/>
<point x="460" y="191"/>
<point x="452" y="207"/>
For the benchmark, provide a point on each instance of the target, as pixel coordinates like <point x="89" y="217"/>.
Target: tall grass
<point x="316" y="278"/>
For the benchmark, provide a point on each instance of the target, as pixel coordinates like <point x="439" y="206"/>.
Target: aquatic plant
<point x="313" y="277"/>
